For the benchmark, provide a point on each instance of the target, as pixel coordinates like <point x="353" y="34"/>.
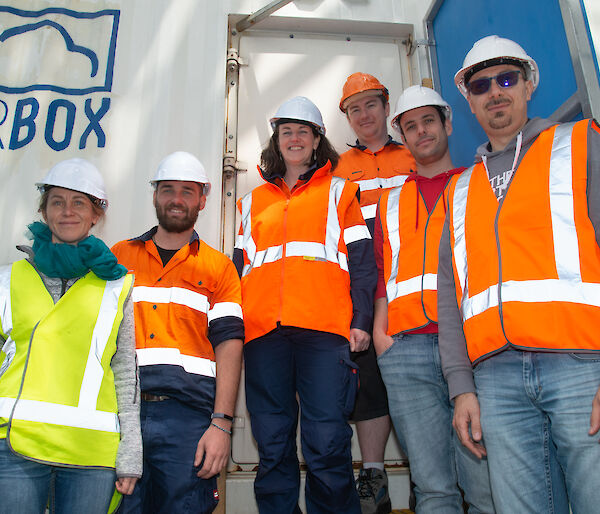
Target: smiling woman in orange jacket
<point x="306" y="261"/>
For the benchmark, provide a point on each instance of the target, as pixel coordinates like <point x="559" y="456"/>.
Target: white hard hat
<point x="493" y="50"/>
<point x="302" y="109"/>
<point x="182" y="166"/>
<point x="419" y="96"/>
<point x="78" y="175"/>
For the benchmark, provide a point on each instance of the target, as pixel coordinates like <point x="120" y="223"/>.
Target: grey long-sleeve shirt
<point x="123" y="364"/>
<point x="456" y="365"/>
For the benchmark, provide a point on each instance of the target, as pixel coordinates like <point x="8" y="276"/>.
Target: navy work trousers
<point x="170" y="432"/>
<point x="316" y="366"/>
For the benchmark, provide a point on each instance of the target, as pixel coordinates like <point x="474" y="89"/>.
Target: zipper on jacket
<point x="283" y="252"/>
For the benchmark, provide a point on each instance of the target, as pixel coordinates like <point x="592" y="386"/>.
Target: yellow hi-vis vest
<point x="57" y="394"/>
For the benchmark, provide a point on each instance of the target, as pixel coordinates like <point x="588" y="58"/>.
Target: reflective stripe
<point x="172" y="356"/>
<point x="551" y="290"/>
<point x="239" y="242"/>
<point x="343" y="261"/>
<point x="392" y="217"/>
<point x="459" y="210"/>
<point x="177" y="295"/>
<point x="568" y="287"/>
<point x="381" y="183"/>
<point x="316" y="251"/>
<point x="480" y="302"/>
<point x="308" y="249"/>
<point x="9" y="348"/>
<point x="223" y="309"/>
<point x="416" y="284"/>
<point x="93" y="374"/>
<point x="369" y="211"/>
<point x="356" y="233"/>
<point x="333" y="229"/>
<point x="248" y="243"/>
<point x="5" y="305"/>
<point x="271" y="254"/>
<point x="562" y="209"/>
<point x="57" y="414"/>
<point x="412" y="285"/>
<point x="534" y="291"/>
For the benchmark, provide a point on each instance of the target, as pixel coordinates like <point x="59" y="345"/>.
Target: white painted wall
<point x="168" y="94"/>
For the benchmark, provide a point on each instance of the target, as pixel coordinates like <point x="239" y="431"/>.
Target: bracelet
<point x="222" y="416"/>
<point x="221" y="428"/>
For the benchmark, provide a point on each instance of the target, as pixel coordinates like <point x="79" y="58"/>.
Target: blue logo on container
<point x="61" y="51"/>
<point x="76" y="50"/>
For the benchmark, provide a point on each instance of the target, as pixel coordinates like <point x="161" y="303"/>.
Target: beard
<point x="176" y="225"/>
<point x="500" y="119"/>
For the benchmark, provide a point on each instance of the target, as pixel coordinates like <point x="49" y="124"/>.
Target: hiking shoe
<point x="372" y="487"/>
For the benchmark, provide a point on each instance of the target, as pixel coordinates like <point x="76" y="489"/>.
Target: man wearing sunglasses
<point x="519" y="292"/>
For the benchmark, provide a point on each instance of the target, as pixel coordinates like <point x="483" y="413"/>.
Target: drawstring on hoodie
<point x="515" y="160"/>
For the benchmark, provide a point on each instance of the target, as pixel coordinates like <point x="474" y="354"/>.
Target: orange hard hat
<point x="359" y="82"/>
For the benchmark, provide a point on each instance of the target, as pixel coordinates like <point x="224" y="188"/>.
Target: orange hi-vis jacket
<point x="410" y="256"/>
<point x="295" y="256"/>
<point x="527" y="268"/>
<point x="375" y="172"/>
<point x="182" y="311"/>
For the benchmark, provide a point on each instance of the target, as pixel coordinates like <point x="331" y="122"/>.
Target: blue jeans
<point x="422" y="417"/>
<point x="535" y="415"/>
<point x="169" y="485"/>
<point x="27" y="486"/>
<point x="316" y="366"/>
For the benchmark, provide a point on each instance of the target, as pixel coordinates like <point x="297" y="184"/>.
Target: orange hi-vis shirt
<point x="295" y="256"/>
<point x="411" y="238"/>
<point x="527" y="268"/>
<point x="182" y="311"/>
<point x="375" y="172"/>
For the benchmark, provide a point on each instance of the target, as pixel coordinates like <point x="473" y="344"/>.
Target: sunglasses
<point x="504" y="80"/>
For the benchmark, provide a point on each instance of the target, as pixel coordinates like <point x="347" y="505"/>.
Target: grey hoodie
<point x="453" y="346"/>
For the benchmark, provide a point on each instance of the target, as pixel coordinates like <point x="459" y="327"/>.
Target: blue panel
<point x="536" y="26"/>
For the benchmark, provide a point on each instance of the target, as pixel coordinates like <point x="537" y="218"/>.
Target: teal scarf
<point x="61" y="260"/>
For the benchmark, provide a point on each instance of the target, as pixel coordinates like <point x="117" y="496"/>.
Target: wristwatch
<point x="221" y="415"/>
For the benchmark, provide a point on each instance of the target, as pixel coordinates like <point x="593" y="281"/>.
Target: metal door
<point x="283" y="58"/>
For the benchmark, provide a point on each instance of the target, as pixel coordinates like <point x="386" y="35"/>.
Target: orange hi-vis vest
<point x="375" y="172"/>
<point x="295" y="256"/>
<point x="527" y="269"/>
<point x="175" y="304"/>
<point x="410" y="257"/>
